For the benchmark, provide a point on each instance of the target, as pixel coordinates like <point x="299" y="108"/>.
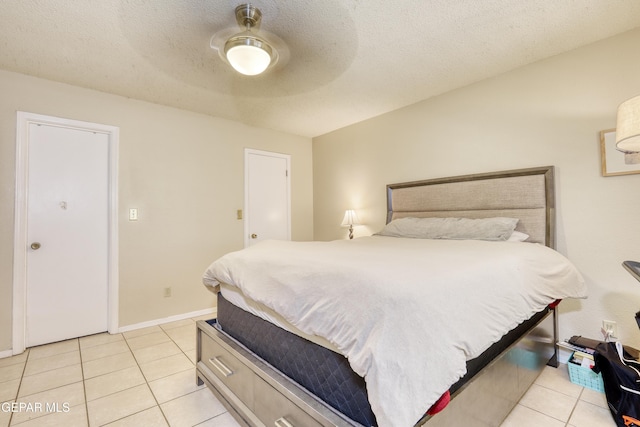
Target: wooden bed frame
<point x="486" y="398"/>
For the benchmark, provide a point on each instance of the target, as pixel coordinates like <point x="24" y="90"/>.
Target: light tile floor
<point x="139" y="378"/>
<point x="554" y="401"/>
<point x="146" y="377"/>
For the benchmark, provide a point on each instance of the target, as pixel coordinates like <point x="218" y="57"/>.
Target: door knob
<point x="35" y="246"/>
<point x="254" y="236"/>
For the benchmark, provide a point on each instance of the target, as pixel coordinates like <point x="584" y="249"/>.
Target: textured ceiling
<point x="343" y="60"/>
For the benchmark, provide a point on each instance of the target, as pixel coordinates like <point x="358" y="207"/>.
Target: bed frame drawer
<point x="256" y="394"/>
<point x="231" y="372"/>
<point x="276" y="410"/>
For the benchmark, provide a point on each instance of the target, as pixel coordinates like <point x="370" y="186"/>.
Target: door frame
<point x="24" y="120"/>
<point x="287" y="157"/>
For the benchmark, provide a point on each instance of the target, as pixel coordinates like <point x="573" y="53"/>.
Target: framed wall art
<point x="616" y="162"/>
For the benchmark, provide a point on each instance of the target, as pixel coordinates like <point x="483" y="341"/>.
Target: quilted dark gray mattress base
<point x="322" y="372"/>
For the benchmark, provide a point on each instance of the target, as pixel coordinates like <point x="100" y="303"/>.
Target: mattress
<point x="237" y="298"/>
<point x="322" y="371"/>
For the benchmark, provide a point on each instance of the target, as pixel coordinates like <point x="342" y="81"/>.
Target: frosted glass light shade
<point x="628" y="126"/>
<point x="248" y="54"/>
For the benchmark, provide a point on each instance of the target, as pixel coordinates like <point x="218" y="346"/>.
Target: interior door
<point x="267" y="196"/>
<point x="67" y="234"/>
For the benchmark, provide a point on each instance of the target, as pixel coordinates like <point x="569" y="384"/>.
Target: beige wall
<point x="548" y="113"/>
<point x="184" y="173"/>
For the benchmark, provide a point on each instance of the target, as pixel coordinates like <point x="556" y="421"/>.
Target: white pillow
<point x="498" y="228"/>
<point x="517" y="236"/>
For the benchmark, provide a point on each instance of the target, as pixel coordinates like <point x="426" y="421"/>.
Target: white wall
<point x="184" y="173"/>
<point x="548" y="113"/>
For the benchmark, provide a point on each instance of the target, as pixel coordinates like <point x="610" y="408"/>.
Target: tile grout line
<point x="110" y="394"/>
<point x="146" y="382"/>
<point x="145" y="379"/>
<point x="84" y="385"/>
<point x="574" y="408"/>
<point x="24" y="368"/>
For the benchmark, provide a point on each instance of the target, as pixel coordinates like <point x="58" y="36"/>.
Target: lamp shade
<point x="248" y="54"/>
<point x="628" y="126"/>
<point x="350" y="218"/>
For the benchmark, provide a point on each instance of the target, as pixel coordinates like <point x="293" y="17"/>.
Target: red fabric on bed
<point x="440" y="403"/>
<point x="446" y="397"/>
<point x="555" y="303"/>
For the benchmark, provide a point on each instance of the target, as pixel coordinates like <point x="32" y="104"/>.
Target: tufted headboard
<point x="526" y="194"/>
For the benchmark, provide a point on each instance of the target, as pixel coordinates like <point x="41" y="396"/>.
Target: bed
<point x="279" y="356"/>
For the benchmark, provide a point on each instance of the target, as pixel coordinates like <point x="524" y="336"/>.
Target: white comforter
<point x="407" y="313"/>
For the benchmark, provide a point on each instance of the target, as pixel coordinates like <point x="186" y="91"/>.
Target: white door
<point x="67" y="222"/>
<point x="267" y="196"/>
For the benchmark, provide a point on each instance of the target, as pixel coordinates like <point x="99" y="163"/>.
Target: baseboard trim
<point x="214" y="310"/>
<point x="167" y="320"/>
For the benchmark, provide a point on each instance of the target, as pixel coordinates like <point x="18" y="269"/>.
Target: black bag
<point x="621" y="376"/>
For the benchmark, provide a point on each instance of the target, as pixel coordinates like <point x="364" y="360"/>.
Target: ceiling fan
<point x="249" y="52"/>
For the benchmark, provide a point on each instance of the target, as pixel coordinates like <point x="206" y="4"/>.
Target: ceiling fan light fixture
<point x="248" y="53"/>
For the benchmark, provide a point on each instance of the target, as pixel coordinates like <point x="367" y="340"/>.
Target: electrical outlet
<point x="133" y="214"/>
<point x="611" y="327"/>
<point x="167" y="292"/>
